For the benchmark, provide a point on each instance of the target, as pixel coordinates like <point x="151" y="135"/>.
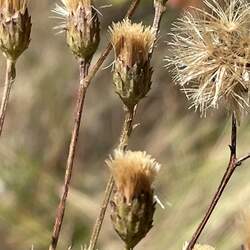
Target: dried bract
<point x="82" y="27"/>
<point x="15" y="28"/>
<point x="132" y="71"/>
<point x="210" y="52"/>
<point x="133" y="205"/>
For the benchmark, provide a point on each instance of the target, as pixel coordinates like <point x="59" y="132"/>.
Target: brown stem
<point x="125" y="134"/>
<point x="71" y="155"/>
<point x="232" y="165"/>
<point x="9" y="80"/>
<point x="160" y="9"/>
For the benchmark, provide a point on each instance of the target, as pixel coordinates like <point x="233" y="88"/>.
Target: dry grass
<point x="193" y="152"/>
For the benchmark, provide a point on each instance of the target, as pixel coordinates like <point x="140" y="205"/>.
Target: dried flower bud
<point x="132" y="70"/>
<point x="199" y="247"/>
<point x="82" y="27"/>
<point x="15" y="28"/>
<point x="210" y="55"/>
<point x="133" y="205"/>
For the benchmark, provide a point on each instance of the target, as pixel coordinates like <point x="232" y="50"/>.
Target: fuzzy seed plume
<point x="133" y="172"/>
<point x="210" y="55"/>
<point x="199" y="247"/>
<point x="132" y="41"/>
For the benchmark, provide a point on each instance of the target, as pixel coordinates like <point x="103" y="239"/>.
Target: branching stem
<point x="232" y="165"/>
<point x="9" y="80"/>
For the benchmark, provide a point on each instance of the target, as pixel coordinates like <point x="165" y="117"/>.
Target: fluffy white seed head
<point x="210" y="55"/>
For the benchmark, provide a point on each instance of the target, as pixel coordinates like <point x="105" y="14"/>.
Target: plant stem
<point x="125" y="134"/>
<point x="160" y="9"/>
<point x="9" y="80"/>
<point x="232" y="165"/>
<point x="84" y="66"/>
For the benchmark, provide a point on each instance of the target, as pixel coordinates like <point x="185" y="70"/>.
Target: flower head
<point x="15" y="27"/>
<point x="132" y="72"/>
<point x="210" y="52"/>
<point x="133" y="172"/>
<point x="81" y="22"/>
<point x="133" y="205"/>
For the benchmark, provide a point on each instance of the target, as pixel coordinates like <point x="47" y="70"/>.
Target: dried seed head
<point x="210" y="52"/>
<point x="15" y="28"/>
<point x="199" y="247"/>
<point x="132" y="72"/>
<point x="133" y="206"/>
<point x="82" y="27"/>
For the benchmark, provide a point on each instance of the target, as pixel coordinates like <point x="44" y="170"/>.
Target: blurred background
<point x="33" y="149"/>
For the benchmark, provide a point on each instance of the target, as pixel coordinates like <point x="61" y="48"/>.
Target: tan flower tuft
<point x="132" y="72"/>
<point x="81" y="22"/>
<point x="132" y="41"/>
<point x="199" y="247"/>
<point x="12" y="6"/>
<point x="133" y="204"/>
<point x="133" y="172"/>
<point x="210" y="52"/>
<point x="15" y="27"/>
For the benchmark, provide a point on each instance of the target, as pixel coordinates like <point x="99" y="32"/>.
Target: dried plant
<point x="133" y="203"/>
<point x="82" y="31"/>
<point x="210" y="55"/>
<point x="83" y="35"/>
<point x="15" y="29"/>
<point x="130" y="88"/>
<point x="132" y="71"/>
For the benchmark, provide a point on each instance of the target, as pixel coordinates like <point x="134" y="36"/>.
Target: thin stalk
<point x="125" y="134"/>
<point x="9" y="80"/>
<point x="84" y="66"/>
<point x="232" y="165"/>
<point x="160" y="9"/>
